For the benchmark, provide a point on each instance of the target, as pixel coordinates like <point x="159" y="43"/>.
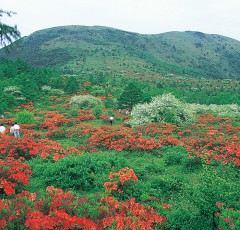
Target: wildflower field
<point x="166" y="164"/>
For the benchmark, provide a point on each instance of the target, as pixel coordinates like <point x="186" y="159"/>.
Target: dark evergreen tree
<point x="131" y="96"/>
<point x="57" y="83"/>
<point x="7" y="101"/>
<point x="72" y="85"/>
<point x="7" y="33"/>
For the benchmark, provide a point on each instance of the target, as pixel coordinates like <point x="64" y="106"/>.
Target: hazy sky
<point x="142" y="16"/>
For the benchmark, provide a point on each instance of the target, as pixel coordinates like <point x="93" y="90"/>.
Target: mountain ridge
<point x="98" y="48"/>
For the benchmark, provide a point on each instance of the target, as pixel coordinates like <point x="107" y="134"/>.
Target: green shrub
<point x="73" y="112"/>
<point x="25" y="117"/>
<point x="191" y="164"/>
<point x="214" y="184"/>
<point x="167" y="184"/>
<point x="175" y="155"/>
<point x="80" y="173"/>
<point x="97" y="111"/>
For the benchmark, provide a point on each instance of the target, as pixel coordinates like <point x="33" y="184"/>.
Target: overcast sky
<point x="141" y="16"/>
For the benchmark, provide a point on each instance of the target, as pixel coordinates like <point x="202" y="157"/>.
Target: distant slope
<point x="90" y="49"/>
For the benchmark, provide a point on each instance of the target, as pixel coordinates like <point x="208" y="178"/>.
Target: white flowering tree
<point x="15" y="92"/>
<point x="163" y="109"/>
<point x="229" y="110"/>
<point x="85" y="101"/>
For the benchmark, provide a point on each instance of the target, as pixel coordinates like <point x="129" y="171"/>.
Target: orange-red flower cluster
<point x="28" y="147"/>
<point x="53" y="120"/>
<point x="13" y="173"/>
<point x="129" y="215"/>
<point x="59" y="210"/>
<point x="118" y="138"/>
<point x="117" y="179"/>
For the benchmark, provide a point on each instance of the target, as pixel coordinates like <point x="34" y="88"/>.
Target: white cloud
<point x="142" y="16"/>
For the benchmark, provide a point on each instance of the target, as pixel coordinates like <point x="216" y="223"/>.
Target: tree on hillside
<point x="7" y="33"/>
<point x="131" y="96"/>
<point x="72" y="85"/>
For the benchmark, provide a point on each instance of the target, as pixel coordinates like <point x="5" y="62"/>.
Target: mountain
<point x="82" y="49"/>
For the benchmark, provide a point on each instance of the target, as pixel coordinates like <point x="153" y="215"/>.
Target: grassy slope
<point x="100" y="49"/>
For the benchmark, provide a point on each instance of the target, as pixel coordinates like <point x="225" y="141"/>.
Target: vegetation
<point x="163" y="109"/>
<point x="130" y="96"/>
<point x="176" y="167"/>
<point x="85" y="101"/>
<point x="96" y="50"/>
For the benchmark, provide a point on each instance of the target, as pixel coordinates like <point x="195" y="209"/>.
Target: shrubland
<point x="175" y="167"/>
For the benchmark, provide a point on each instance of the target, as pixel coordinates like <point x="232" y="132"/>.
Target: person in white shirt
<point x="12" y="130"/>
<point x="111" y="118"/>
<point x="16" y="130"/>
<point x="2" y="129"/>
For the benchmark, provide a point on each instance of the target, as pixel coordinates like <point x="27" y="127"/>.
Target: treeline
<point x="21" y="83"/>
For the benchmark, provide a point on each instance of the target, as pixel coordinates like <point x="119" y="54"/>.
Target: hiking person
<point x="111" y="118"/>
<point x="2" y="129"/>
<point x="16" y="130"/>
<point x="12" y="130"/>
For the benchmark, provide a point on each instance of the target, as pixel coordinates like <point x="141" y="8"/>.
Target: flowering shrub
<point x="57" y="133"/>
<point x="81" y="130"/>
<point x="16" y="147"/>
<point x="228" y="218"/>
<point x="8" y="121"/>
<point x="86" y="117"/>
<point x="27" y="148"/>
<point x="118" y="138"/>
<point x="53" y="120"/>
<point x="231" y="110"/>
<point x="57" y="92"/>
<point x="29" y="106"/>
<point x="56" y="213"/>
<point x="46" y="88"/>
<point x="163" y="109"/>
<point x="59" y="210"/>
<point x="14" y="174"/>
<point x="28" y="126"/>
<point x="120" y="180"/>
<point x="214" y="146"/>
<point x="54" y="210"/>
<point x="104" y="118"/>
<point x="155" y="129"/>
<point x="128" y="215"/>
<point x="85" y="101"/>
<point x="15" y="91"/>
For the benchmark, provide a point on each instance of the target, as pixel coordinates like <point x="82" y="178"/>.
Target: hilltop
<point x="83" y="49"/>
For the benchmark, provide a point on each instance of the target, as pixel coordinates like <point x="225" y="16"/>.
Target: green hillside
<point x="82" y="49"/>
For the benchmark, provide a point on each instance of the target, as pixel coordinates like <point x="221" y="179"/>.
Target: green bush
<point x="175" y="155"/>
<point x="215" y="184"/>
<point x="25" y="117"/>
<point x="73" y="112"/>
<point x="97" y="111"/>
<point x="191" y="164"/>
<point x="80" y="173"/>
<point x="167" y="184"/>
